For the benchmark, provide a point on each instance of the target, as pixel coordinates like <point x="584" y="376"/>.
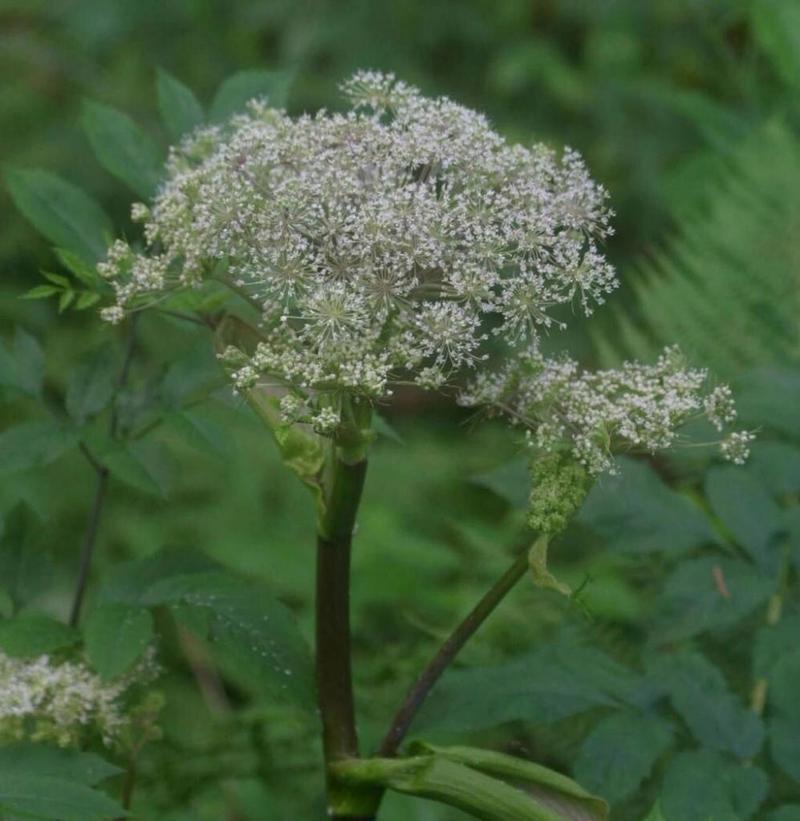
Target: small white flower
<point x="736" y="447"/>
<point x="594" y="414"/>
<point x="379" y="243"/>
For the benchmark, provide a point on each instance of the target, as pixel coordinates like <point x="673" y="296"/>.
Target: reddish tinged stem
<point x="419" y="691"/>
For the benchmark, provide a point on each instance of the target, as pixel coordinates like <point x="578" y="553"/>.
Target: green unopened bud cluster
<point x="559" y="485"/>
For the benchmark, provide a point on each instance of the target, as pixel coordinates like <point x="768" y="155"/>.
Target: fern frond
<point x="726" y="286"/>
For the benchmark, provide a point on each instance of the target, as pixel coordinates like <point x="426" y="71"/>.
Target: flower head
<point x="64" y="701"/>
<point x="379" y="244"/>
<point x="592" y="414"/>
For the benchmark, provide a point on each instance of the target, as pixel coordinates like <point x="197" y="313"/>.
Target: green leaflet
<point x="115" y="636"/>
<point x="22" y="367"/>
<point x="46" y="797"/>
<point x="620" y="753"/>
<point x="235" y="92"/>
<point x="180" y="109"/>
<point x="702" y="785"/>
<point x="122" y="148"/>
<point x="34" y="634"/>
<point x="61" y="211"/>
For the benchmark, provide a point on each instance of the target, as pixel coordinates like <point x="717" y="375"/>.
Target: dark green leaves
<point x="45" y="797"/>
<point x="38" y="781"/>
<point x="33" y="635"/>
<point x="22" y="366"/>
<point x="91" y="385"/>
<point x="25" y="568"/>
<point x="784" y="704"/>
<point x="238" y="90"/>
<point x="180" y="109"/>
<point x="620" y="753"/>
<point x="546" y="685"/>
<point x="115" y="637"/>
<point x="33" y="444"/>
<point x="61" y="211"/>
<point x="747" y="510"/>
<point x="636" y="512"/>
<point x="715" y="716"/>
<point x="43" y="760"/>
<point x="122" y="148"/>
<point x="708" y="594"/>
<point x="702" y="785"/>
<point x="255" y="636"/>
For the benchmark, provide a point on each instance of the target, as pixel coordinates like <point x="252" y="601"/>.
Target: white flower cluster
<point x="592" y="414"/>
<point x="61" y="701"/>
<point x="381" y="245"/>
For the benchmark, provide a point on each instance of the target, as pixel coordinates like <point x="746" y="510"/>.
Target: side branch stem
<point x="419" y="691"/>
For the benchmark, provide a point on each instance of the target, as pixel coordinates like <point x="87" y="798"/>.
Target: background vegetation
<point x="673" y="677"/>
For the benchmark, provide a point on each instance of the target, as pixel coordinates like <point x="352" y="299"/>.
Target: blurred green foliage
<point x="688" y="615"/>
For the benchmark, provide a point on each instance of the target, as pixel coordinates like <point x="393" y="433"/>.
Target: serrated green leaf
<point x="636" y="512"/>
<point x="33" y="444"/>
<point x="716" y="717"/>
<point x="130" y="582"/>
<point x="254" y="635"/>
<point x="79" y="268"/>
<point x="91" y="385"/>
<point x="708" y="594"/>
<point x="180" y="109"/>
<point x="33" y="635"/>
<point x="115" y="637"/>
<point x="61" y="211"/>
<point x="25" y="568"/>
<point x="86" y="300"/>
<point x="235" y="92"/>
<point x="65" y="300"/>
<point x="777" y="465"/>
<point x="773" y="643"/>
<point x="556" y="681"/>
<point x="137" y="466"/>
<point x="618" y="755"/>
<point x="43" y="760"/>
<point x="702" y="785"/>
<point x="200" y="432"/>
<point x="56" y="279"/>
<point x="784" y="743"/>
<point x="122" y="148"/>
<point x="28" y="364"/>
<point x="40" y="292"/>
<point x="776" y="26"/>
<point x="747" y="510"/>
<point x="784" y="681"/>
<point x="46" y="797"/>
<point x="788" y="812"/>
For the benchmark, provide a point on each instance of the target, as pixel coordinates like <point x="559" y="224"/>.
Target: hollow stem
<point x="416" y="695"/>
<point x="343" y="484"/>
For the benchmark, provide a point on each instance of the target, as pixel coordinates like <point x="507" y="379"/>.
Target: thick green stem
<point x="343" y="482"/>
<point x="447" y="652"/>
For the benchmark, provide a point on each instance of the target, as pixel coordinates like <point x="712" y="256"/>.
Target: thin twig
<point x="419" y="691"/>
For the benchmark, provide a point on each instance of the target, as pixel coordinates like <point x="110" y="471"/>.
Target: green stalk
<point x="342" y="484"/>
